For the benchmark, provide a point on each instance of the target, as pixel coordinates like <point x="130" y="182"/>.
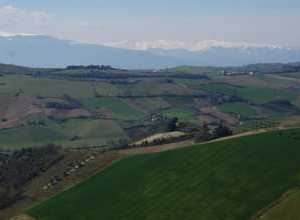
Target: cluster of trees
<point x="68" y="103"/>
<point x="19" y="167"/>
<point x="90" y="67"/>
<point x="266" y="68"/>
<point x="125" y="81"/>
<point x="218" y="98"/>
<point x="206" y="134"/>
<point x="38" y="122"/>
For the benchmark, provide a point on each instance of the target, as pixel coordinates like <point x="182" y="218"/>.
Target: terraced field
<point x="232" y="179"/>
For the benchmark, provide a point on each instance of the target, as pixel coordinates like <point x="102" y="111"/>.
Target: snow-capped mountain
<point x="195" y="46"/>
<point x="7" y="34"/>
<point x="45" y="51"/>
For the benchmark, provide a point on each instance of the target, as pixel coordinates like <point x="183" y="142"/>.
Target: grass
<point x="120" y="108"/>
<point x="157" y="88"/>
<point x="91" y="132"/>
<point x="151" y="104"/>
<point x="181" y="114"/>
<point x="243" y="109"/>
<point x="293" y="75"/>
<point x="286" y="210"/>
<point x="28" y="136"/>
<point x="258" y="124"/>
<point x="258" y="95"/>
<point x="226" y="180"/>
<point x="46" y="87"/>
<point x="197" y="70"/>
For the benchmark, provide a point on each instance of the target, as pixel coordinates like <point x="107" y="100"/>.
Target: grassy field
<point x="46" y="87"/>
<point x="158" y="87"/>
<point x="229" y="180"/>
<point x="258" y="124"/>
<point x="293" y="75"/>
<point x="28" y="136"/>
<point x="181" y="114"/>
<point x="151" y="104"/>
<point x="120" y="108"/>
<point x="254" y="94"/>
<point x="90" y="132"/>
<point x="286" y="210"/>
<point x="197" y="70"/>
<point x="244" y="110"/>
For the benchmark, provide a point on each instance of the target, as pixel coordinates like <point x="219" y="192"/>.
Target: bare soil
<point x="214" y="112"/>
<point x="22" y="217"/>
<point x="15" y="109"/>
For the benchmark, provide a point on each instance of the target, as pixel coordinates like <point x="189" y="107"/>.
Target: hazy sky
<point x="255" y="21"/>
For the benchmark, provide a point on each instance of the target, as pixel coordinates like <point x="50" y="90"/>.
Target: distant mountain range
<point x="45" y="51"/>
<point x="196" y="46"/>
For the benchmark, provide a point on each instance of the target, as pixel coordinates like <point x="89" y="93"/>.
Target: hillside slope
<point x="232" y="179"/>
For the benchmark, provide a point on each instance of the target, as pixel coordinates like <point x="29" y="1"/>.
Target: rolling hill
<point x="231" y="179"/>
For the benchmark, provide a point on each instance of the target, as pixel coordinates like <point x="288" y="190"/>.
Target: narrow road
<point x="167" y="147"/>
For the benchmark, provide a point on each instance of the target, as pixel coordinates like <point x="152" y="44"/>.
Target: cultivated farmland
<point x="232" y="179"/>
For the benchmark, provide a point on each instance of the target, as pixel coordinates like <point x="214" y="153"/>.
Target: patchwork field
<point x="180" y="113"/>
<point x="232" y="179"/>
<point x="46" y="87"/>
<point x="72" y="99"/>
<point x="120" y="109"/>
<point x="254" y="94"/>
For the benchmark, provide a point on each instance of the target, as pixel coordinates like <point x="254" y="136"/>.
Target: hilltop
<point x="231" y="179"/>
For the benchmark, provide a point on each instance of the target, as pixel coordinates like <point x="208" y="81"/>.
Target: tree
<point x="222" y="131"/>
<point x="203" y="134"/>
<point x="172" y="124"/>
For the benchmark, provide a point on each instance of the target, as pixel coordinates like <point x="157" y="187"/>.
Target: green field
<point x="28" y="136"/>
<point x="46" y="87"/>
<point x="198" y="70"/>
<point x="254" y="94"/>
<point x="156" y="88"/>
<point x="229" y="180"/>
<point x="90" y="132"/>
<point x="120" y="108"/>
<point x="181" y="114"/>
<point x="243" y="109"/>
<point x="151" y="104"/>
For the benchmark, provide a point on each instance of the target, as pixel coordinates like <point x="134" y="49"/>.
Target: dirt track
<point x="166" y="147"/>
<point x="22" y="217"/>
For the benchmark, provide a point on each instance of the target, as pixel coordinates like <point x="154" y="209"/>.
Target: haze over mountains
<point x="45" y="51"/>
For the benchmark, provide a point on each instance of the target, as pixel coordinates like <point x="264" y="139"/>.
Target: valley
<point x="118" y="124"/>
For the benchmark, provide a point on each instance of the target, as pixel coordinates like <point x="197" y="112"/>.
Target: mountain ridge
<point x="46" y="51"/>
